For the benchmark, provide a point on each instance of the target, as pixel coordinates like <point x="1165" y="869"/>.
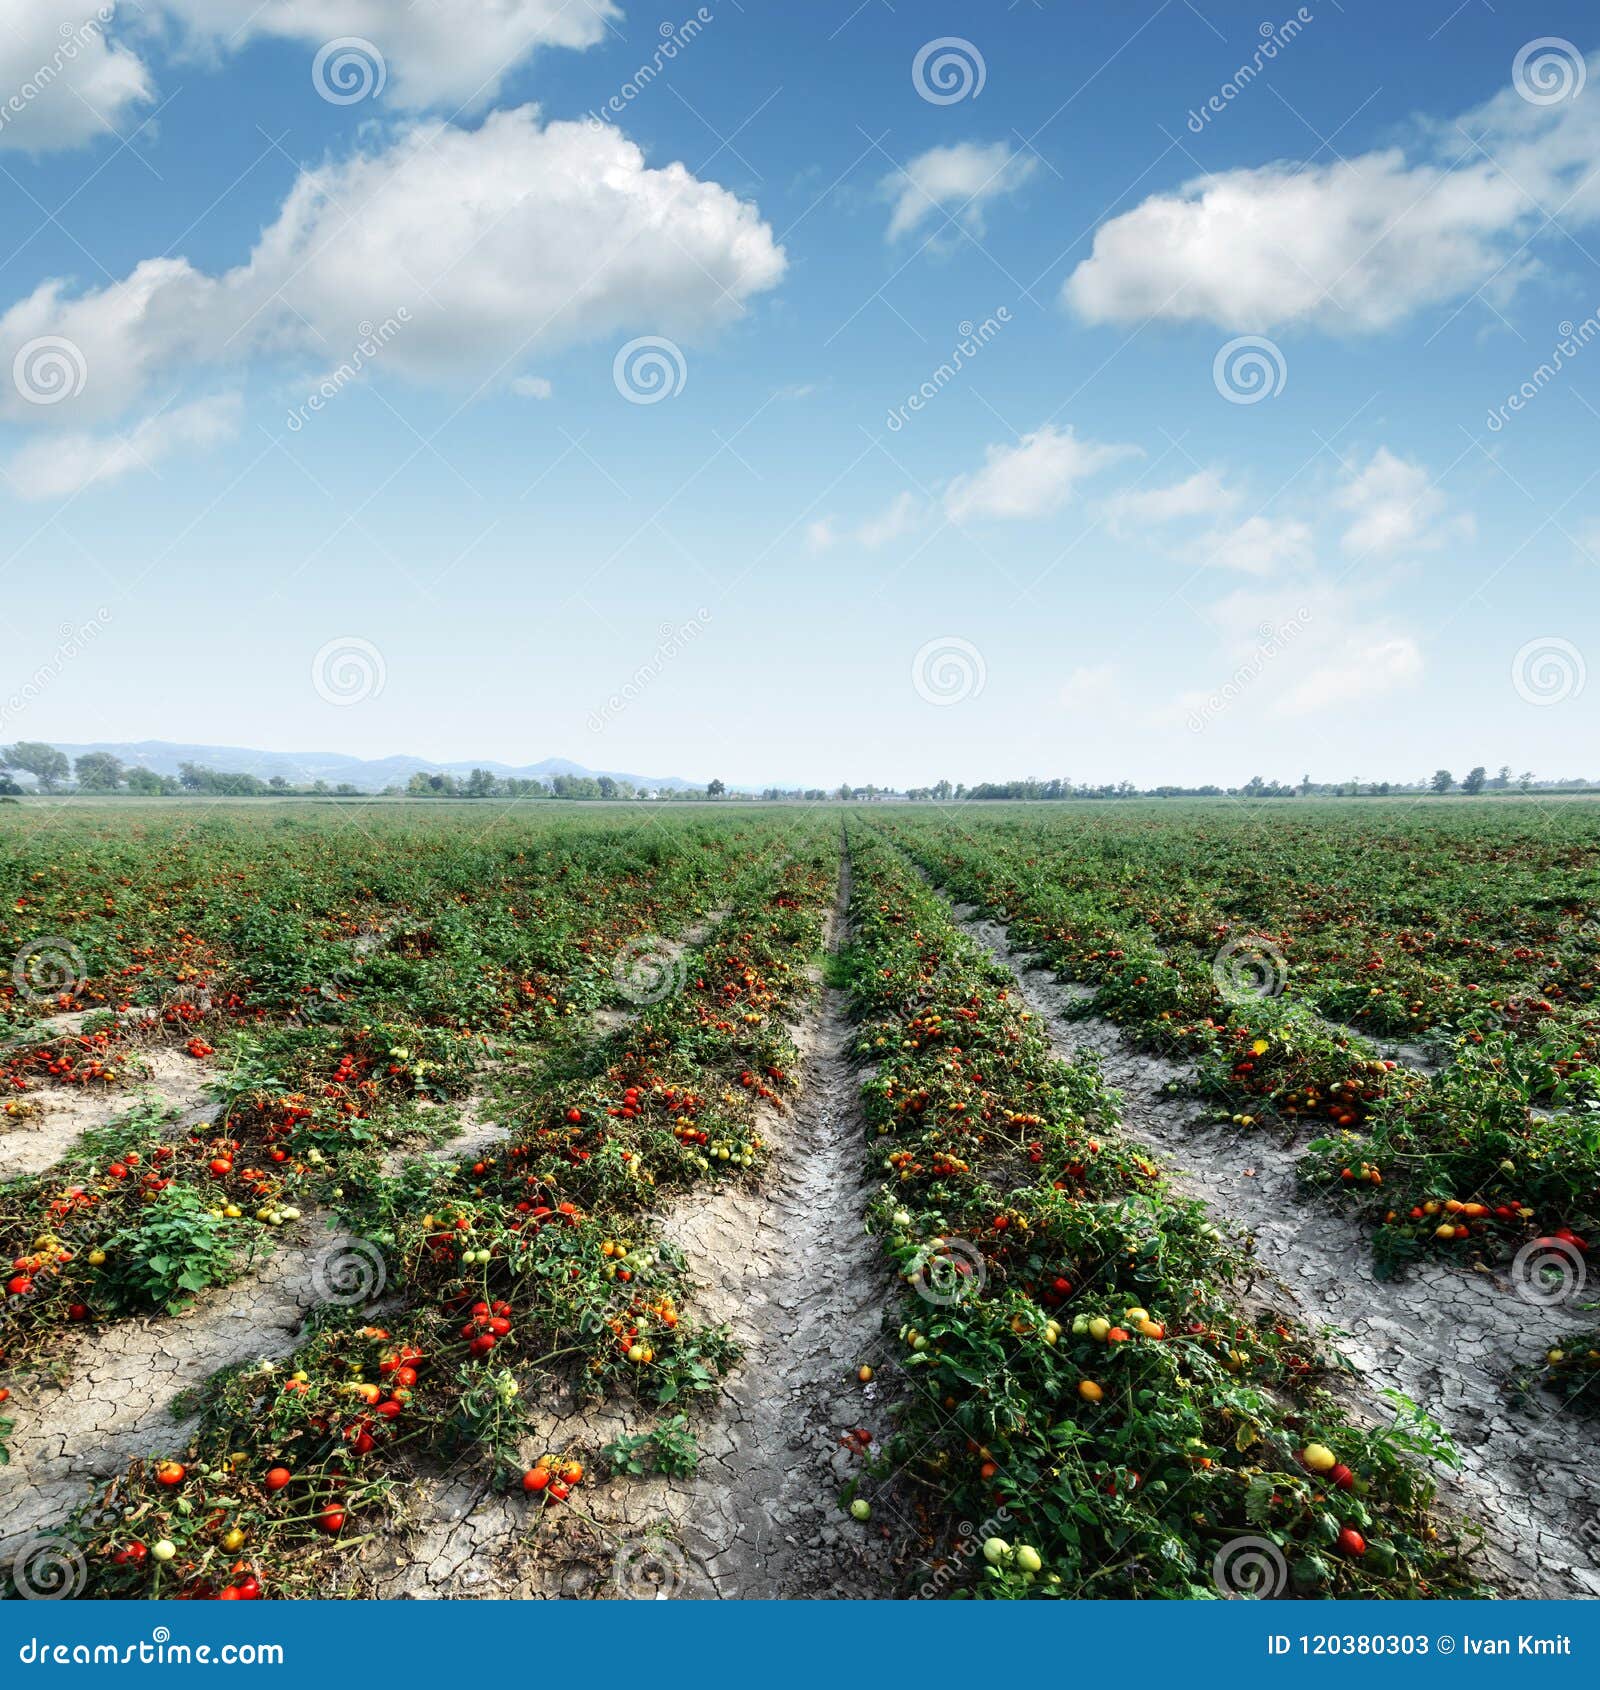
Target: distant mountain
<point x="368" y="775"/>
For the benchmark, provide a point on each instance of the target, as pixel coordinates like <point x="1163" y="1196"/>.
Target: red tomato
<point x="277" y="1478"/>
<point x="1352" y="1542"/>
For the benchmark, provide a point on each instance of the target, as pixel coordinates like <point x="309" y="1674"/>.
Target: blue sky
<point x="318" y="426"/>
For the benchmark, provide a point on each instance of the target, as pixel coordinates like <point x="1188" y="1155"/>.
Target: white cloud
<point x="1394" y="505"/>
<point x="58" y="465"/>
<point x="1202" y="494"/>
<point x="1353" y="245"/>
<point x="62" y="81"/>
<point x="68" y="78"/>
<point x="1032" y="478"/>
<point x="503" y="241"/>
<point x="1260" y="545"/>
<point x="899" y="517"/>
<point x="1302" y="648"/>
<point x="965" y="176"/>
<point x="532" y="387"/>
<point x="1362" y="665"/>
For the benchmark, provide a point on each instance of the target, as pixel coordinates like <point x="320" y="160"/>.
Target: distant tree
<point x="1476" y="781"/>
<point x="278" y="784"/>
<point x="1443" y="780"/>
<point x="480" y="784"/>
<point x="47" y="765"/>
<point x="191" y="776"/>
<point x="1503" y="779"/>
<point x="320" y="787"/>
<point x="345" y="790"/>
<point x="98" y="771"/>
<point x="1525" y="780"/>
<point x="608" y="787"/>
<point x="145" y="782"/>
<point x="715" y="789"/>
<point x="845" y="794"/>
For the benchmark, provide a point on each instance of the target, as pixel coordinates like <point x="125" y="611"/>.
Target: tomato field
<point x="1177" y="1200"/>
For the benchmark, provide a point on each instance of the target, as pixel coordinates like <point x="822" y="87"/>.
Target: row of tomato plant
<point x="534" y="1267"/>
<point x="1090" y="1394"/>
<point x="1457" y="1161"/>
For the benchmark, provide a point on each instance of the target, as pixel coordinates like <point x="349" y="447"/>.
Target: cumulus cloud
<point x="63" y="81"/>
<point x="503" y="241"/>
<point x="1032" y="478"/>
<point x="965" y="176"/>
<point x="1394" y="506"/>
<point x="532" y="387"/>
<point x="57" y="465"/>
<point x="1353" y="245"/>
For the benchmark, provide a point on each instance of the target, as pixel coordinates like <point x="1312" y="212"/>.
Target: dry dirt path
<point x="1448" y="1340"/>
<point x="115" y="1398"/>
<point x="792" y="1270"/>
